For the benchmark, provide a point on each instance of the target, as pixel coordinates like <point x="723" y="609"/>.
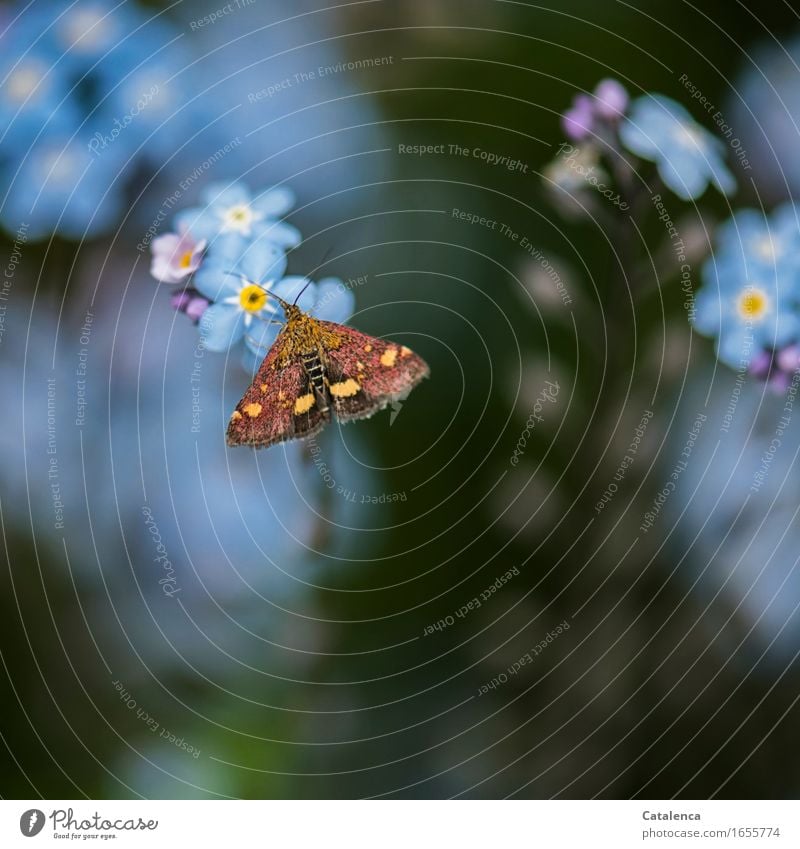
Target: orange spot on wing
<point x="345" y="388"/>
<point x="388" y="357"/>
<point x="252" y="410"/>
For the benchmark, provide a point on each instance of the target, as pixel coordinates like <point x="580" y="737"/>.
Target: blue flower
<point x="768" y="245"/>
<point x="230" y="209"/>
<point x="60" y="187"/>
<point x="328" y="300"/>
<point x="746" y="312"/>
<point x="239" y="293"/>
<point x="688" y="157"/>
<point x="32" y="95"/>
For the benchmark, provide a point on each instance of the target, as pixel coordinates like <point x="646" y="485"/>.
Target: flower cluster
<point x="227" y="256"/>
<point x="688" y="158"/>
<point x="89" y="91"/>
<point x="750" y="300"/>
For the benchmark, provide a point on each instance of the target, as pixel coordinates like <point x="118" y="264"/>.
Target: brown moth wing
<point x="278" y="405"/>
<point x="365" y="374"/>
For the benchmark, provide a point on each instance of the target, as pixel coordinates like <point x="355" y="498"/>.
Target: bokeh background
<point x="311" y="646"/>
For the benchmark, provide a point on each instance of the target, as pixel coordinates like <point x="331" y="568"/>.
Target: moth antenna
<point x="301" y="292"/>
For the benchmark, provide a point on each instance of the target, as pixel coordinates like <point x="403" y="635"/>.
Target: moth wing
<point x="279" y="405"/>
<point x="366" y="374"/>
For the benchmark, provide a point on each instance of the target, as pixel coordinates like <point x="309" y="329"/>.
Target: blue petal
<point x="290" y="287"/>
<point x="262" y="262"/>
<point x="201" y="221"/>
<point x="708" y="312"/>
<point x="222" y="194"/>
<point x="736" y="348"/>
<point x="221" y="326"/>
<point x="721" y="176"/>
<point x="686" y="177"/>
<point x="260" y="336"/>
<point x="215" y="282"/>
<point x="274" y="203"/>
<point x="335" y="302"/>
<point x="278" y="232"/>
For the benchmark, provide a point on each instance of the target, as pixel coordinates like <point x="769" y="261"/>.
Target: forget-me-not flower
<point x="746" y="313"/>
<point x="230" y="209"/>
<point x="687" y="156"/>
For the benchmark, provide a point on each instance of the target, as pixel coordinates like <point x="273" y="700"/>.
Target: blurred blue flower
<point x="767" y="244"/>
<point x="231" y="209"/>
<point x="688" y="157"/>
<point x="61" y="187"/>
<point x="31" y="95"/>
<point x="87" y="31"/>
<point x="746" y="313"/>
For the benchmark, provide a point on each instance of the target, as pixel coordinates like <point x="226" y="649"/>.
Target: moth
<point x="316" y="370"/>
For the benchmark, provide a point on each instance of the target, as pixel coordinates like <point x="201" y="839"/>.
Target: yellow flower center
<point x="753" y="304"/>
<point x="186" y="259"/>
<point x="238" y="218"/>
<point x="252" y="298"/>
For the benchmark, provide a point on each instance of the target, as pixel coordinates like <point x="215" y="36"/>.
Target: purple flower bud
<point x="611" y="99"/>
<point x="196" y="307"/>
<point x="191" y="302"/>
<point x="578" y="121"/>
<point x="788" y="358"/>
<point x="180" y="300"/>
